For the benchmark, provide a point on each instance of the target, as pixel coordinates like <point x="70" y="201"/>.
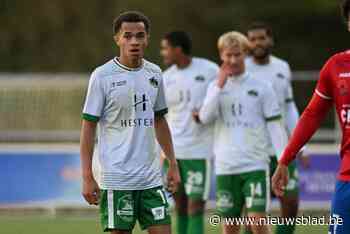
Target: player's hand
<point x="280" y="180"/>
<point x="91" y="191"/>
<point x="173" y="177"/>
<point x="195" y="116"/>
<point x="304" y="160"/>
<point x="224" y="72"/>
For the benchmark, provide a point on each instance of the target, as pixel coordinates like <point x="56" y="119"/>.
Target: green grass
<point x="88" y="225"/>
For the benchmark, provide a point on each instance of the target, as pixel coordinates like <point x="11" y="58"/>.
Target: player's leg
<point x="290" y="201"/>
<point x="340" y="215"/>
<point x="272" y="167"/>
<point x="181" y="211"/>
<point x="196" y="185"/>
<point x="256" y="190"/>
<point x="118" y="212"/>
<point x="120" y="232"/>
<point x="153" y="211"/>
<point x="229" y="200"/>
<point x="181" y="201"/>
<point x="159" y="229"/>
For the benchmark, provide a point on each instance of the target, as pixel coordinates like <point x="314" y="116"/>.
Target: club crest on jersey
<point x="119" y="83"/>
<point x="199" y="78"/>
<point x="280" y="75"/>
<point x="154" y="82"/>
<point x="253" y="93"/>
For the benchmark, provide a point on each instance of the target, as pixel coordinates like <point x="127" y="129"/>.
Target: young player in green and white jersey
<point x="126" y="99"/>
<point x="247" y="116"/>
<point x="263" y="65"/>
<point x="185" y="83"/>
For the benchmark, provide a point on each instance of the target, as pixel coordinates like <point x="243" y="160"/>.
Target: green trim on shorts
<point x="249" y="189"/>
<point x="195" y="177"/>
<point x="292" y="188"/>
<point x="120" y="209"/>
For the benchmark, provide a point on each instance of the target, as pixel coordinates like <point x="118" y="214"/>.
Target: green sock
<point x="181" y="224"/>
<point x="195" y="224"/>
<point x="285" y="229"/>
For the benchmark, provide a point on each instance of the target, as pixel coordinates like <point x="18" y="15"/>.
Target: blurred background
<point x="49" y="48"/>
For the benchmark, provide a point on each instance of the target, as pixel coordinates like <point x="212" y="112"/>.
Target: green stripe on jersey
<point x="273" y="118"/>
<point x="91" y="118"/>
<point x="289" y="100"/>
<point x="161" y="113"/>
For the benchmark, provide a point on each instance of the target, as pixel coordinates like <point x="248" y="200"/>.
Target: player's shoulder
<point x="151" y="67"/>
<point x="107" y="69"/>
<point x="279" y="62"/>
<point x="204" y="63"/>
<point x="258" y="83"/>
<point x="341" y="59"/>
<point x="169" y="71"/>
<point x="249" y="61"/>
<point x="341" y="56"/>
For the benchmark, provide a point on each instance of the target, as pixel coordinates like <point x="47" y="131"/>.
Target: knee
<point x="120" y="232"/>
<point x="195" y="207"/>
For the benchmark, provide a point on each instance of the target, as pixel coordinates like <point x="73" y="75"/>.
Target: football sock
<point x="182" y="223"/>
<point x="195" y="224"/>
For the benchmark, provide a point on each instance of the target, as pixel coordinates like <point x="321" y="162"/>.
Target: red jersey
<point x="333" y="87"/>
<point x="334" y="84"/>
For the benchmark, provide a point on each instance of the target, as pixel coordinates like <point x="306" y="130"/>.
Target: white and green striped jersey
<point x="185" y="90"/>
<point x="125" y="101"/>
<point x="241" y="110"/>
<point x="277" y="72"/>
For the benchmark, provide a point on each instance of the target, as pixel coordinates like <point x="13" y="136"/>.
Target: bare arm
<point x="164" y="139"/>
<point x="87" y="141"/>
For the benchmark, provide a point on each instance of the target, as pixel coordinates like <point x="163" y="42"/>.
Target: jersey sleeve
<point x="324" y="86"/>
<point x="210" y="109"/>
<point x="289" y="92"/>
<point x="213" y="72"/>
<point x="95" y="99"/>
<point x="288" y="73"/>
<point x="160" y="107"/>
<point x="271" y="109"/>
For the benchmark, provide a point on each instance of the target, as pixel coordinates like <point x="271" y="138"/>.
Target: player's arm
<point x="291" y="119"/>
<point x="291" y="110"/>
<point x="87" y="142"/>
<point x="273" y="118"/>
<point x="307" y="125"/>
<point x="309" y="122"/>
<point x="210" y="109"/>
<point x="164" y="138"/>
<point x="292" y="115"/>
<point x="92" y="110"/>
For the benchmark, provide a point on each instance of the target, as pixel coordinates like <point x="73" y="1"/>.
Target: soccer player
<point x="247" y="114"/>
<point x="185" y="83"/>
<point x="265" y="66"/>
<point x="332" y="88"/>
<point x="126" y="99"/>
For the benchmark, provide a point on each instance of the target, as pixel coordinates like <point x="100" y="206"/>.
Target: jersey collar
<point x="239" y="78"/>
<point x="116" y="61"/>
